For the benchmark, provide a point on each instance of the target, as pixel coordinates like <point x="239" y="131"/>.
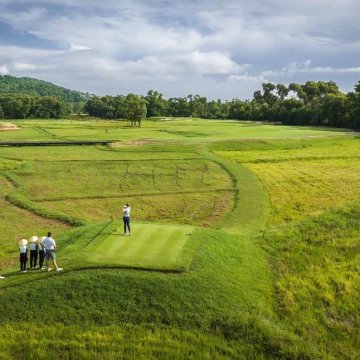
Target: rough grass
<point x="317" y="269"/>
<point x="301" y="188"/>
<point x="302" y="176"/>
<point x="162" y="186"/>
<point x="132" y="342"/>
<point x="18" y="223"/>
<point x="127" y="177"/>
<point x="197" y="208"/>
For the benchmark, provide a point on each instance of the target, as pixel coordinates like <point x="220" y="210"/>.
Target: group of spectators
<point x="42" y="249"/>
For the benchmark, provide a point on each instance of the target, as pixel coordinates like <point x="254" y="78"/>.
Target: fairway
<point x="150" y="246"/>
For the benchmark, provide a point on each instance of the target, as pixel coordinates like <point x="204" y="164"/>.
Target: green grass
<point x="17" y="223"/>
<point x="270" y="270"/>
<point x="150" y="246"/>
<point x="183" y="130"/>
<point x="302" y="177"/>
<point x="317" y="279"/>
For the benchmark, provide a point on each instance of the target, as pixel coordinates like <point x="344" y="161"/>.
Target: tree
<point x="156" y="105"/>
<point x="96" y="107"/>
<point x="49" y="107"/>
<point x="135" y="109"/>
<point x="298" y="90"/>
<point x="179" y="107"/>
<point x="282" y="91"/>
<point x="198" y="106"/>
<point x="334" y="110"/>
<point x="357" y="87"/>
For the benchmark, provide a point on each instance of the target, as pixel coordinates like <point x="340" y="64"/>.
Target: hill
<point x="30" y="86"/>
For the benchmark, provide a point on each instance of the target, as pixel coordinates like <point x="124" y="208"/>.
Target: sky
<point x="214" y="48"/>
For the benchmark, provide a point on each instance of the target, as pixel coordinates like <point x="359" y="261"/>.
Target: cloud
<point x="305" y="67"/>
<point x="77" y="47"/>
<point x="4" y="70"/>
<point x="118" y="46"/>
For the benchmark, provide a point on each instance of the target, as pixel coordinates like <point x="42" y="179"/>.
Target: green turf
<point x="173" y="130"/>
<point x="150" y="246"/>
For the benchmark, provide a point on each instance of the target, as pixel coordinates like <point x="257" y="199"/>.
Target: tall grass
<point x="317" y="279"/>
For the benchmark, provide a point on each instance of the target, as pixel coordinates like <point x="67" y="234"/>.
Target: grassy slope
<point x="225" y="306"/>
<point x="317" y="279"/>
<point x="315" y="261"/>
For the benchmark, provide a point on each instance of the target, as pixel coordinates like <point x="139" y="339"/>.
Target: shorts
<point x="50" y="255"/>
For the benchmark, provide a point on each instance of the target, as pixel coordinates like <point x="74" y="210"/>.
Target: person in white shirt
<point x="50" y="248"/>
<point x="23" y="257"/>
<point x="126" y="218"/>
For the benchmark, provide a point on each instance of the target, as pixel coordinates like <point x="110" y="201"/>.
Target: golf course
<point x="245" y="240"/>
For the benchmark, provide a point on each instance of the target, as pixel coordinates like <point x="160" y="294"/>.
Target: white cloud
<point x="77" y="47"/>
<point x="304" y="67"/>
<point x="4" y="70"/>
<point x="28" y="67"/>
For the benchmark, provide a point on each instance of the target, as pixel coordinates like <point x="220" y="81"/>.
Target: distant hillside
<point x="25" y="85"/>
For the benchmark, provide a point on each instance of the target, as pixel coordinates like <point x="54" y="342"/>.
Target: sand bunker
<point x="130" y="143"/>
<point x="5" y="126"/>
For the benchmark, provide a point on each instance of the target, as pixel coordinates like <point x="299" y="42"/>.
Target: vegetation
<point x="270" y="270"/>
<point x="313" y="103"/>
<point x="303" y="177"/>
<point x="19" y="106"/>
<point x="34" y="87"/>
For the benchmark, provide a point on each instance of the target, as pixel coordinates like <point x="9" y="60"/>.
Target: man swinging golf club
<point x="126" y="218"/>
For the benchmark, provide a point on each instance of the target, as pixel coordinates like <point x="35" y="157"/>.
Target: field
<point x="245" y="241"/>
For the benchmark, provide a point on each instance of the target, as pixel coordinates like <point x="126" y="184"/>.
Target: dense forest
<point x="313" y="103"/>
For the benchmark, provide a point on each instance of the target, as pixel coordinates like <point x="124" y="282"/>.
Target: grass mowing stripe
<point x="173" y="246"/>
<point x="146" y="249"/>
<point x="159" y="252"/>
<point x="112" y="244"/>
<point x="152" y="245"/>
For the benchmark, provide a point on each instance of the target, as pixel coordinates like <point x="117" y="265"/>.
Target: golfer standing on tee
<point x="50" y="248"/>
<point x="126" y="218"/>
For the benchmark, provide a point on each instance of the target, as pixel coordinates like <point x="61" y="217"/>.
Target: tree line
<point x="21" y="106"/>
<point x="313" y="103"/>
